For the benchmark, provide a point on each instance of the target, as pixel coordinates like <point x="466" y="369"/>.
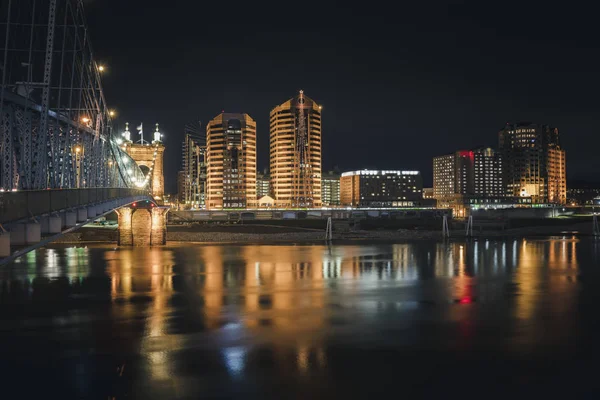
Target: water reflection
<point x="235" y="310"/>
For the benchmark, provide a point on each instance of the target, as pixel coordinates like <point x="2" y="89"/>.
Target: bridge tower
<point x="142" y="224"/>
<point x="149" y="157"/>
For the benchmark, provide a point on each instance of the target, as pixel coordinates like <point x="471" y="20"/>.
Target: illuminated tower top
<point x="127" y="134"/>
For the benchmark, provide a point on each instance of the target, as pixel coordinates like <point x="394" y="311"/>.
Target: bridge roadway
<point x="33" y="218"/>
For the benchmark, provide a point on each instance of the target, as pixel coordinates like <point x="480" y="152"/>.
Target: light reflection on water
<point x="231" y="311"/>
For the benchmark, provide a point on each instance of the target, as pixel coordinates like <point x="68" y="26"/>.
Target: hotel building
<point x="231" y="161"/>
<point x="468" y="177"/>
<point x="535" y="162"/>
<point x="295" y="153"/>
<point x="476" y="172"/>
<point x="368" y="188"/>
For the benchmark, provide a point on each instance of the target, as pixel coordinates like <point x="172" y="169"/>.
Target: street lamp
<point x="78" y="157"/>
<point x="101" y="68"/>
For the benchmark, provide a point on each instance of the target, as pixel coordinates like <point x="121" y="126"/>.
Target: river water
<point x="421" y="320"/>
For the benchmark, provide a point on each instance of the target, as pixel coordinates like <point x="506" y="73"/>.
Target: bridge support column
<point x="44" y="224"/>
<point x="70" y="219"/>
<point x="17" y="235"/>
<point x="142" y="226"/>
<point x="5" y="244"/>
<point x="82" y="214"/>
<point x="159" y="226"/>
<point x="32" y="233"/>
<point x="54" y="224"/>
<point x="125" y="231"/>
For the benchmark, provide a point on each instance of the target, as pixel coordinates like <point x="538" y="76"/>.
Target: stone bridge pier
<point x="142" y="226"/>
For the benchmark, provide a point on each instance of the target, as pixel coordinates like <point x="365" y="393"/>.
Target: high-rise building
<point x="193" y="159"/>
<point x="468" y="177"/>
<point x="296" y="153"/>
<point x="476" y="172"/>
<point x="534" y="162"/>
<point x="181" y="188"/>
<point x="330" y="189"/>
<point x="367" y="188"/>
<point x="231" y="161"/>
<point x="263" y="185"/>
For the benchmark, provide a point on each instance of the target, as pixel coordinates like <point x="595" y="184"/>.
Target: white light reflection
<point x="235" y="358"/>
<point x="52" y="264"/>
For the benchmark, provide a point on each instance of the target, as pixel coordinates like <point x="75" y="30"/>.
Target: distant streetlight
<point x="112" y="113"/>
<point x="101" y="68"/>
<point x="85" y="120"/>
<point x="77" y="149"/>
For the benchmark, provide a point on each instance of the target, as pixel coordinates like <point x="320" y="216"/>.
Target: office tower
<point x="193" y="160"/>
<point x="181" y="188"/>
<point x="488" y="173"/>
<point x="444" y="182"/>
<point x="263" y="185"/>
<point x="368" y="188"/>
<point x="477" y="172"/>
<point x="296" y="153"/>
<point x="330" y="189"/>
<point x="534" y="162"/>
<point x="231" y="161"/>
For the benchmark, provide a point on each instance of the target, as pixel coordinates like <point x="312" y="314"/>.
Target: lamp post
<point x="78" y="151"/>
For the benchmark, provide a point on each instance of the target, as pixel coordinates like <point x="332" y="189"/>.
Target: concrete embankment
<point x="254" y="233"/>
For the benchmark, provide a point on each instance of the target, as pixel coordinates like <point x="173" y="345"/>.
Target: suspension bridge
<point x="61" y="163"/>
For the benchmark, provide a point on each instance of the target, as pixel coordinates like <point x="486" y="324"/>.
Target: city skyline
<point x="435" y="80"/>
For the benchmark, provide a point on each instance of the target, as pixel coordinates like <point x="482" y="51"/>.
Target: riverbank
<point x="286" y="234"/>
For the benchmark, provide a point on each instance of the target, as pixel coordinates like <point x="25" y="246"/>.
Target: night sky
<point x="399" y="83"/>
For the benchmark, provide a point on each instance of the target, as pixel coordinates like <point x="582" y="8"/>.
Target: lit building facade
<point x="181" y="187"/>
<point x="488" y="173"/>
<point x="476" y="172"/>
<point x="443" y="176"/>
<point x="231" y="161"/>
<point x="535" y="162"/>
<point x="582" y="193"/>
<point x="330" y="189"/>
<point x="468" y="176"/>
<point x="368" y="188"/>
<point x="194" y="171"/>
<point x="295" y="153"/>
<point x="263" y="185"/>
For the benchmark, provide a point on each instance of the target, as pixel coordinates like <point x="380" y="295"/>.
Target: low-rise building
<point x="372" y="188"/>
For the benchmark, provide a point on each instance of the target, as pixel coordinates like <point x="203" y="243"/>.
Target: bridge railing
<point x="15" y="206"/>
